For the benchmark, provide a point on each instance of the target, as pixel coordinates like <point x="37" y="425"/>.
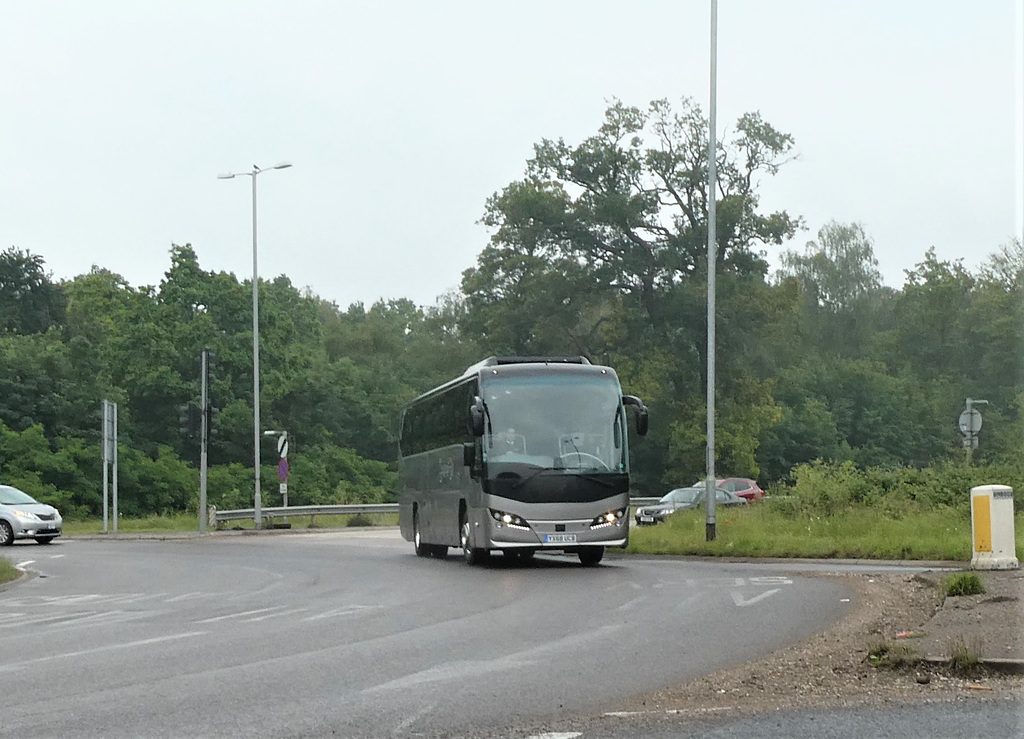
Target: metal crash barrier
<point x="217" y="518"/>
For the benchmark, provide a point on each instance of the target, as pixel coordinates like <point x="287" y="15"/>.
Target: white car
<point x="24" y="517"/>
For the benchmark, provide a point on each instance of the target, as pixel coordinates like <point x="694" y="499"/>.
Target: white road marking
<point x="401" y="729"/>
<point x="87" y="598"/>
<point x="461" y="669"/>
<point x="239" y="615"/>
<point x="187" y="596"/>
<point x="458" y="670"/>
<point x="133" y="597"/>
<point x="57" y="556"/>
<point x="276" y="615"/>
<point x="110" y="647"/>
<point x="557" y="735"/>
<point x="74" y="620"/>
<point x="18" y="620"/>
<point x="346" y="611"/>
<point x="73" y="600"/>
<point x="741" y="602"/>
<point x="26" y="563"/>
<point x="632" y="603"/>
<point x="668" y="712"/>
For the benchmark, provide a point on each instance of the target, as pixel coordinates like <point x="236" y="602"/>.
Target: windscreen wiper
<point x="530" y="476"/>
<point x="602" y="481"/>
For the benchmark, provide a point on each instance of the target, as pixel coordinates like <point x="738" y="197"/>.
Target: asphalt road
<point x="350" y="634"/>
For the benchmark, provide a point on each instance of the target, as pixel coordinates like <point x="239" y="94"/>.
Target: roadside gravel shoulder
<point x="833" y="668"/>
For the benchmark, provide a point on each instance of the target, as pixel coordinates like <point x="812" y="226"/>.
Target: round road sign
<point x="970" y="421"/>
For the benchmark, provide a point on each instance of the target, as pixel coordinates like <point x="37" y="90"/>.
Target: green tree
<point x="844" y="305"/>
<point x="621" y="214"/>
<point x="30" y="302"/>
<point x="839" y="268"/>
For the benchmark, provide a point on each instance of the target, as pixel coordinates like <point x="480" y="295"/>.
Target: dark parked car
<point x="24" y="517"/>
<point x="682" y="499"/>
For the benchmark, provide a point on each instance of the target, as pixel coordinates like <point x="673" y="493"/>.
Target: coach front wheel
<point x="590" y="556"/>
<point x="473" y="555"/>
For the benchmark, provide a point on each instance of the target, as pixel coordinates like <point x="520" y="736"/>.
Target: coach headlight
<point x="609" y="518"/>
<point x="510" y="519"/>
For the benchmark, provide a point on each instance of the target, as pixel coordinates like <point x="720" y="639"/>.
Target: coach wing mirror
<point x="476" y="416"/>
<point x="641" y="413"/>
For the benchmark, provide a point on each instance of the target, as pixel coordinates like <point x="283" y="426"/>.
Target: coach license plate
<point x="559" y="538"/>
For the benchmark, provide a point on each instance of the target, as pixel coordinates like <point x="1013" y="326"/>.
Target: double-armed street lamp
<point x="257" y="503"/>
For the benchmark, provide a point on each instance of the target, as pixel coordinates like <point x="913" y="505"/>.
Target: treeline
<point x="597" y="250"/>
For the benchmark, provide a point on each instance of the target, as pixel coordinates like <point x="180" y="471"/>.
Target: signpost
<point x="109" y="458"/>
<point x="970" y="425"/>
<point x="282" y="465"/>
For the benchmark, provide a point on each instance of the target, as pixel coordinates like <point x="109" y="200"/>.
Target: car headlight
<point x="509" y="519"/>
<point x="26" y="515"/>
<point x="608" y="518"/>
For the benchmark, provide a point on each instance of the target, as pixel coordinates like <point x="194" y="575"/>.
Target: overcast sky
<point x="401" y="118"/>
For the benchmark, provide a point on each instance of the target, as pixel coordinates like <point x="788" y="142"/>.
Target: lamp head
<point x="225" y="177"/>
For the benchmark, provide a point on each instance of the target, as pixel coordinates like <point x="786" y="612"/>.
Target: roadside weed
<point x="892" y="656"/>
<point x="962" y="583"/>
<point x="964" y="657"/>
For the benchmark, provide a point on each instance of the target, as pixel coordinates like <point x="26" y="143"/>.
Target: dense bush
<point x="826" y="489"/>
<point x="70" y="477"/>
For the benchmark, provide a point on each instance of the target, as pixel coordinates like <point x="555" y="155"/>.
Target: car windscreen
<point x="13" y="496"/>
<point x="682" y="495"/>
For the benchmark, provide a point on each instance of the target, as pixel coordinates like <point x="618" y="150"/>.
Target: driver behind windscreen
<point x="508" y="441"/>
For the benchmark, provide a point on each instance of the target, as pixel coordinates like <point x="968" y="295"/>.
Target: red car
<point x="741" y="486"/>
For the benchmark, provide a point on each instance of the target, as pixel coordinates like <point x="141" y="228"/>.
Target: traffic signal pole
<point x="204" y="437"/>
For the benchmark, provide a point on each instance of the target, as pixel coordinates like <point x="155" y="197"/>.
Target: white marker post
<point x="993" y="539"/>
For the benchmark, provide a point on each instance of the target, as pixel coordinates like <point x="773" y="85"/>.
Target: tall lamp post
<point x="257" y="502"/>
<point x="710" y="484"/>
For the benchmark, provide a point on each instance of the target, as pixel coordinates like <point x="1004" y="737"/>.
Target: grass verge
<point x="7" y="571"/>
<point x="857" y="532"/>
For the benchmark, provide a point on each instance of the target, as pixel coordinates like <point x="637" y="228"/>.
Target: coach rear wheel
<point x="422" y="550"/>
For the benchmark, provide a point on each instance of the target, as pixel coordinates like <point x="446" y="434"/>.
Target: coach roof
<point x="493" y="361"/>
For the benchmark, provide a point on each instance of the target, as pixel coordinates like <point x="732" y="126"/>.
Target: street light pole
<point x="710" y="484"/>
<point x="257" y="499"/>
